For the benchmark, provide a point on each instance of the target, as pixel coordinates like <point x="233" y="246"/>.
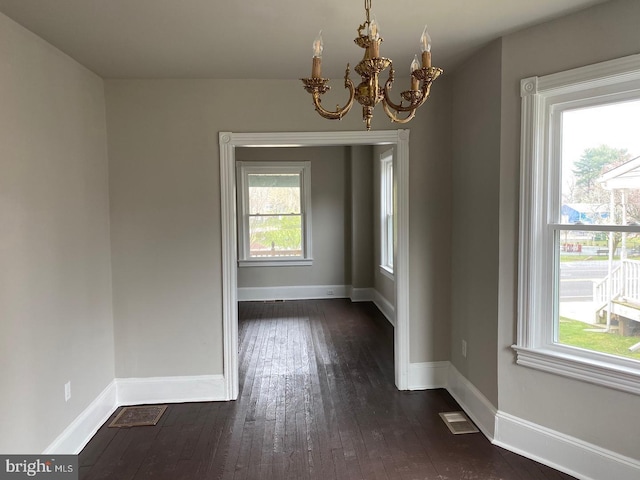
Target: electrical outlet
<point x="67" y="391"/>
<point x="464" y="348"/>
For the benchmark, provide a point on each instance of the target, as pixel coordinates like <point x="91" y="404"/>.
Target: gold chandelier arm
<point x="340" y="111"/>
<point x="392" y="115"/>
<point x="416" y="101"/>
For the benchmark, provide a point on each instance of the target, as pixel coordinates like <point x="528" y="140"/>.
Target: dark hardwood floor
<point x="317" y="401"/>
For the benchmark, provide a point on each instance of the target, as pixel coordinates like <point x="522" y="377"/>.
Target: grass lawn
<point x="574" y="333"/>
<point x="581" y="257"/>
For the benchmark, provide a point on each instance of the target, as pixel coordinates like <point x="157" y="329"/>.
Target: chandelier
<point x="369" y="93"/>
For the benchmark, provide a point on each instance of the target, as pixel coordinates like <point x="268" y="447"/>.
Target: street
<point x="576" y="278"/>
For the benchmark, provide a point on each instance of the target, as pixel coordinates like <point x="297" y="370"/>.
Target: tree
<point x="592" y="164"/>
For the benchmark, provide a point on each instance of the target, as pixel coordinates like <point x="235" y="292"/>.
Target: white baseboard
<point x="73" y="439"/>
<point x="568" y="454"/>
<point x="308" y="292"/>
<point x="201" y="388"/>
<point x="385" y="306"/>
<point x="473" y="402"/>
<point x="362" y="294"/>
<point x="428" y="375"/>
<point x="135" y="391"/>
<point x="565" y="453"/>
<point x="302" y="292"/>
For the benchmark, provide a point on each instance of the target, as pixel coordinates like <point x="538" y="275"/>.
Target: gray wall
<point x="476" y="169"/>
<point x="55" y="277"/>
<point x="361" y="216"/>
<point x="165" y="213"/>
<point x="330" y="204"/>
<point x="602" y="416"/>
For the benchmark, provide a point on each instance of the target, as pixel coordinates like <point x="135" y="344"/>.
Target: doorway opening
<point x="228" y="141"/>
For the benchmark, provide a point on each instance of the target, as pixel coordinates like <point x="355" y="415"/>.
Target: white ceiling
<point x="265" y="39"/>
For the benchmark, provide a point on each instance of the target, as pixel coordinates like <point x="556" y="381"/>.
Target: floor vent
<point x="146" y="415"/>
<point x="458" y="423"/>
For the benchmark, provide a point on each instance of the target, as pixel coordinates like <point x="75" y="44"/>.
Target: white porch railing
<point x="622" y="282"/>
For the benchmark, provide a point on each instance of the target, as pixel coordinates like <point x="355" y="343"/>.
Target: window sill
<point x="574" y="365"/>
<point x="387" y="272"/>
<point x="294" y="262"/>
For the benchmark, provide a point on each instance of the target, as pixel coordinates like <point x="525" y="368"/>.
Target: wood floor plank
<point x="317" y="401"/>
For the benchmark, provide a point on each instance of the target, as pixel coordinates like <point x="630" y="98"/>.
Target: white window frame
<point x="543" y="99"/>
<point x="386" y="214"/>
<point x="298" y="168"/>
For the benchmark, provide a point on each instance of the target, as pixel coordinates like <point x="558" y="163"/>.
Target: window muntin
<point x="274" y="213"/>
<point x="558" y="110"/>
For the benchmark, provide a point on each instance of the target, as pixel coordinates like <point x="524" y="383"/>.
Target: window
<point x="274" y="213"/>
<point x="386" y="212"/>
<point x="579" y="267"/>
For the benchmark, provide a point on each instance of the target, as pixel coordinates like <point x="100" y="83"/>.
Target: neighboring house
<point x="587" y="213"/>
<point x="625" y="176"/>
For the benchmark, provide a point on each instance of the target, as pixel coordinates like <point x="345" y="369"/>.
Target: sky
<point x="616" y="125"/>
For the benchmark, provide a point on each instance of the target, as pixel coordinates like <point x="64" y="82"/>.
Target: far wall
<point x="345" y="204"/>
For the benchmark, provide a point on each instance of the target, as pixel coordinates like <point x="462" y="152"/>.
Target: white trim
<point x="281" y="262"/>
<point x="428" y="375"/>
<point x="303" y="170"/>
<point x="472" y="401"/>
<point x="562" y="452"/>
<point x="361" y="294"/>
<point x="135" y="391"/>
<point x="385" y="306"/>
<point x="229" y="266"/>
<point x="600" y="74"/>
<point x="386" y="271"/>
<point x="228" y="141"/>
<point x="298" y="292"/>
<point x="74" y="438"/>
<point x="580" y="367"/>
<point x="386" y="212"/>
<point x="555" y="449"/>
<point x="199" y="388"/>
<point x="568" y="454"/>
<point x="401" y="265"/>
<point x="307" y="292"/>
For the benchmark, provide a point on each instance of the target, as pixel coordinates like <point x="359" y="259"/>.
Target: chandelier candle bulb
<point x="375" y="49"/>
<point x="316" y="67"/>
<point x="374" y="36"/>
<point x="415" y="83"/>
<point x="318" y="46"/>
<point x="425" y="43"/>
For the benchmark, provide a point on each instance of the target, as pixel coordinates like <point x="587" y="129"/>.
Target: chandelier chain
<point x="367" y="7"/>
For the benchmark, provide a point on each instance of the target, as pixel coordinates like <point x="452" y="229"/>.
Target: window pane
<point x="389" y="241"/>
<point x="275" y="236"/>
<point x="274" y="193"/>
<point x="599" y="291"/>
<point x="601" y="165"/>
